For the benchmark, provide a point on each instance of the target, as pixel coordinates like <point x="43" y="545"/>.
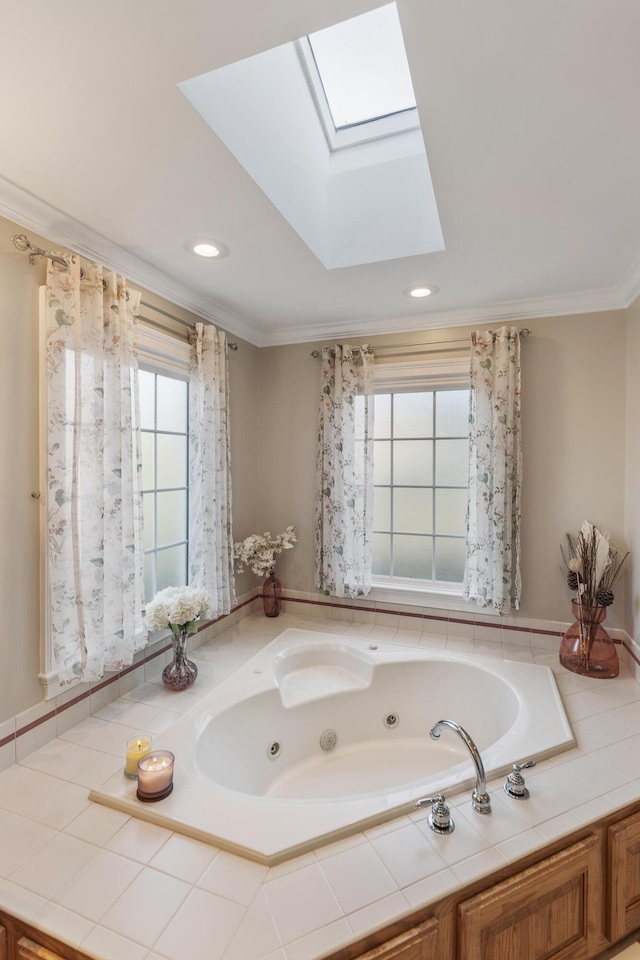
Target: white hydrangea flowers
<point x="177" y="608"/>
<point x="260" y="552"/>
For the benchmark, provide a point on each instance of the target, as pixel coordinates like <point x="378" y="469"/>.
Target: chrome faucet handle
<point x="514" y="787"/>
<point x="440" y="816"/>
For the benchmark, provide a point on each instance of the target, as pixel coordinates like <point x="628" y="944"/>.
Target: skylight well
<point x="328" y="128"/>
<point x="363" y="68"/>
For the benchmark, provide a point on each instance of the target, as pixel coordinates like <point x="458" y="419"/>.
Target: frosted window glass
<point x="452" y="413"/>
<point x="149" y="587"/>
<point x="382" y="461"/>
<point x="382" y="416"/>
<point x="412" y="557"/>
<point x="172" y="517"/>
<point x="413" y="462"/>
<point x="450" y="558"/>
<point x="452" y="463"/>
<point x="172" y="461"/>
<point x="171" y="567"/>
<point x="146" y="386"/>
<point x="147" y="448"/>
<point x="412" y="510"/>
<point x="413" y="415"/>
<point x="381" y="508"/>
<point x="451" y="512"/>
<point x="381" y="555"/>
<point x="172" y="404"/>
<point x="148" y="506"/>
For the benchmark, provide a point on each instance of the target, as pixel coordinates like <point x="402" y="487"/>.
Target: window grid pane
<point x="165" y="471"/>
<point x="422" y="502"/>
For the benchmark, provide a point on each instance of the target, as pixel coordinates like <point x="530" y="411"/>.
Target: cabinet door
<point x="4" y="955"/>
<point x="552" y="911"/>
<point x="419" y="943"/>
<point x="624" y="877"/>
<point x="30" y="950"/>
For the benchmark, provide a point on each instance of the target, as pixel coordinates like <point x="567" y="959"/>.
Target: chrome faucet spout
<point x="480" y="800"/>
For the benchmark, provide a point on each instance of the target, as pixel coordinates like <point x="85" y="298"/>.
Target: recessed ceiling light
<point x="420" y="290"/>
<point x="207" y="248"/>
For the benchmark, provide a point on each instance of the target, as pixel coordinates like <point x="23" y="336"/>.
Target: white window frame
<point x="447" y="374"/>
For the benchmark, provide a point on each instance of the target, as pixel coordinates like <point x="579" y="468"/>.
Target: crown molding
<point x="29" y="211"/>
<point x="32" y="213"/>
<point x="594" y="301"/>
<point x="630" y="284"/>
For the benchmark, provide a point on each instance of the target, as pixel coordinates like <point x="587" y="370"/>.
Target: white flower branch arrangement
<point x="259" y="552"/>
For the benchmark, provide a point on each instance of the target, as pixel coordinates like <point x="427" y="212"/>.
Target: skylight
<point x="363" y="67"/>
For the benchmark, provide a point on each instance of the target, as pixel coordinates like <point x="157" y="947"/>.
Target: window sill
<point x="422" y="593"/>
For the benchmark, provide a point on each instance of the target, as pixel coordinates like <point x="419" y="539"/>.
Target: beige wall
<point x="573" y="430"/>
<point x="632" y="499"/>
<point x="574" y="373"/>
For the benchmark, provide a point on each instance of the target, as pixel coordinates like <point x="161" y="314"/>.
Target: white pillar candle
<point x="155" y="776"/>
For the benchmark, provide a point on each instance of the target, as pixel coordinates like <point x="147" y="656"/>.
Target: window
<point x="420" y="482"/>
<point x="363" y="67"/>
<point x="164" y="417"/>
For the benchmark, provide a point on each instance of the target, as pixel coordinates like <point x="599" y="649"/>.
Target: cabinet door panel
<point x="30" y="950"/>
<point x="550" y="912"/>
<point x="4" y="954"/>
<point x="419" y="943"/>
<point x="624" y="877"/>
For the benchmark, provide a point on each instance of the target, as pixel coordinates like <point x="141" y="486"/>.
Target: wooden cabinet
<point x="552" y="911"/>
<point x="27" y="949"/>
<point x="624" y="877"/>
<point x="4" y="955"/>
<point x="419" y="943"/>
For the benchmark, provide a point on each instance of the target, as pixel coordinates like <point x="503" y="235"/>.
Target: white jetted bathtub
<point x="319" y="736"/>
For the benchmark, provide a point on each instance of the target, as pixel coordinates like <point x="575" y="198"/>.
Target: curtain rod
<point x="525" y="332"/>
<point x="22" y="243"/>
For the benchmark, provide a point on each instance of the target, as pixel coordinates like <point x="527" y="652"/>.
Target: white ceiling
<point x="530" y="116"/>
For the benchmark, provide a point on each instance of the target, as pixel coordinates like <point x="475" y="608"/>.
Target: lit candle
<point x="155" y="776"/>
<point x="137" y="748"/>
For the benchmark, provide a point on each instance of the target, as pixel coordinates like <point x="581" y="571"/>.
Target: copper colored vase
<point x="586" y="647"/>
<point x="272" y="597"/>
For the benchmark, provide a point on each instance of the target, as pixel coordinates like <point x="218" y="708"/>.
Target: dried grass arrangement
<point x="592" y="566"/>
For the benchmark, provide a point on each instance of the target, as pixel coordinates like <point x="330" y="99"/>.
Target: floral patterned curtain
<point x="94" y="500"/>
<point x="492" y="573"/>
<point x="344" y="472"/>
<point x="210" y="526"/>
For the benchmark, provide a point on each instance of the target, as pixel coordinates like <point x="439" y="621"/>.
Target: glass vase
<point x="181" y="672"/>
<point x="586" y="647"/>
<point x="272" y="597"/>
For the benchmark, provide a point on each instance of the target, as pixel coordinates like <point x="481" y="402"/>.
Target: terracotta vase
<point x="272" y="597"/>
<point x="586" y="647"/>
<point x="181" y="672"/>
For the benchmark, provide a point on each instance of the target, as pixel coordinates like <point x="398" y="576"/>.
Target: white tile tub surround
<point x="299" y="910"/>
<point x="309" y="681"/>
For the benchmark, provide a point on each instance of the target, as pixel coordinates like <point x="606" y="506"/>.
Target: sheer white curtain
<point x="344" y="472"/>
<point x="210" y="520"/>
<point x="492" y="573"/>
<point x="94" y="500"/>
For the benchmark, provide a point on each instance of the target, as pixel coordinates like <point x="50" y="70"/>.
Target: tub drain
<point x="328" y="740"/>
<point x="274" y="750"/>
<point x="391" y="720"/>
